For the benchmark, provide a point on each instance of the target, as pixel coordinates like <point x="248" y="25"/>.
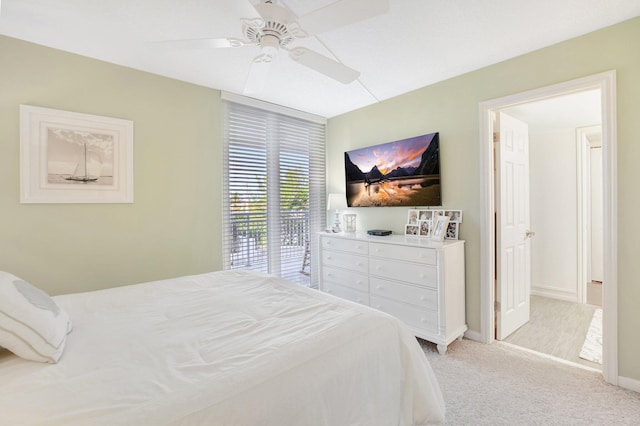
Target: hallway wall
<point x="554" y="214"/>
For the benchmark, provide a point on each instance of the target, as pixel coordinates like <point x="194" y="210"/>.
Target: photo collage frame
<point x="438" y="224"/>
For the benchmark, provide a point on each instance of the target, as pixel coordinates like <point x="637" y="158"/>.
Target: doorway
<point x="565" y="185"/>
<point x="589" y="144"/>
<point x="605" y="83"/>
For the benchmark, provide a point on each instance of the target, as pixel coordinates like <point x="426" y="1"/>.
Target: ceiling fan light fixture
<point x="269" y="45"/>
<point x="270" y="24"/>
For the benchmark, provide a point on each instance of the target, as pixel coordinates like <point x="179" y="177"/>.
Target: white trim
<point x="487" y="225"/>
<point x="583" y="148"/>
<point x="256" y="103"/>
<point x="629" y="383"/>
<point x="583" y="167"/>
<point x="606" y="82"/>
<point x="610" y="227"/>
<point x="555" y="293"/>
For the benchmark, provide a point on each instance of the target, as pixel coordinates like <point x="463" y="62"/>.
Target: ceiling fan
<point x="277" y="27"/>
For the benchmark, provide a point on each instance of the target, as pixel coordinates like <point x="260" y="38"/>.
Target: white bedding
<point x="225" y="348"/>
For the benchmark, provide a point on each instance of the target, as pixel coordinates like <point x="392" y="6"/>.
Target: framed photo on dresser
<point x="425" y="228"/>
<point x="411" y="229"/>
<point x="440" y="228"/>
<point x="452" y="231"/>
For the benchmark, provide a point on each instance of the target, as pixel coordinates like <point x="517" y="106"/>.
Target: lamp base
<point x="336" y="225"/>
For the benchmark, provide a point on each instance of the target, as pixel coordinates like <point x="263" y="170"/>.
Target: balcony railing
<point x="249" y="246"/>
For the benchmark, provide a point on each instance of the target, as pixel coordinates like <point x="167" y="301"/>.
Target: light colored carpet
<point x="500" y="385"/>
<point x="592" y="347"/>
<point x="557" y="328"/>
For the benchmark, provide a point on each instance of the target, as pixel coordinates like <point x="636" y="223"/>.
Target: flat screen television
<point x="400" y="173"/>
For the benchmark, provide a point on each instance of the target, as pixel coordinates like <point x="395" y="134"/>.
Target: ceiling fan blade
<point x="273" y="12"/>
<point x="258" y="73"/>
<point x="341" y="13"/>
<point x="201" y="43"/>
<point x="324" y="65"/>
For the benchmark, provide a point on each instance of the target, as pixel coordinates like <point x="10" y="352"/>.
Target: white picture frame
<point x="440" y="228"/>
<point x="436" y="214"/>
<point x="411" y="229"/>
<point x="412" y="217"/>
<point x="453" y="228"/>
<point x="425" y="215"/>
<point x="425" y="228"/>
<point x="71" y="157"/>
<point x="454" y="215"/>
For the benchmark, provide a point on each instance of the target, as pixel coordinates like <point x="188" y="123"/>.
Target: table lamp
<point x="337" y="202"/>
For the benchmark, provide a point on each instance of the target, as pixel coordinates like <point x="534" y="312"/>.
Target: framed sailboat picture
<point x="71" y="157"/>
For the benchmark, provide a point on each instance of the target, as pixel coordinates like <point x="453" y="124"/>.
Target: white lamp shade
<point x="337" y="202"/>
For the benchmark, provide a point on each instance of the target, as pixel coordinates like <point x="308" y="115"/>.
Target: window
<point x="274" y="188"/>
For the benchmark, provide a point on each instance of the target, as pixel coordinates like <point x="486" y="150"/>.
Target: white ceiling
<point x="415" y="44"/>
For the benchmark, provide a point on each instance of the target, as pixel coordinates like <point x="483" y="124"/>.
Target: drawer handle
<point x="329" y="274"/>
<point x="329" y="258"/>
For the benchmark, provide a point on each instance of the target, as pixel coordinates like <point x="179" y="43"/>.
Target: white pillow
<point x="32" y="326"/>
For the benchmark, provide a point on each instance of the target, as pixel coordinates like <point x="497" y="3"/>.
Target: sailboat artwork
<point x="72" y="157"/>
<point x="79" y="157"/>
<point x="81" y="172"/>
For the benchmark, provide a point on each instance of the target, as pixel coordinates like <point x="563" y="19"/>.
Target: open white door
<point x="513" y="244"/>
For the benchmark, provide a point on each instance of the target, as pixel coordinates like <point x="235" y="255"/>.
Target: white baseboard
<point x="628" y="383"/>
<point x="554" y="293"/>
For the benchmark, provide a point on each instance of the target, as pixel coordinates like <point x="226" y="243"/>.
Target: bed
<point x="223" y="348"/>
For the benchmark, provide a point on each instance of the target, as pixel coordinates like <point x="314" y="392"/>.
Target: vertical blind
<point x="274" y="191"/>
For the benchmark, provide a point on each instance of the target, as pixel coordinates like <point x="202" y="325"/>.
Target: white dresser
<point x="416" y="280"/>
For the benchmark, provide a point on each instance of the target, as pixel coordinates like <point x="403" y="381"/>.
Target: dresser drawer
<point x="346" y="293"/>
<point x="415" y="273"/>
<point x="351" y="246"/>
<point x="344" y="260"/>
<point x="414" y="317"/>
<point x="422" y="297"/>
<point x="407" y="253"/>
<point x="343" y="277"/>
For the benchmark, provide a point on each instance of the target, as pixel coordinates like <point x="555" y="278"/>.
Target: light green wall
<point x="172" y="228"/>
<point x="451" y="107"/>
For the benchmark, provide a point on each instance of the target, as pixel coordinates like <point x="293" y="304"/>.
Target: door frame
<point x="583" y="162"/>
<point x="606" y="83"/>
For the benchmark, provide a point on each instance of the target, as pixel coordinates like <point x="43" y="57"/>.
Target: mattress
<point x="224" y="348"/>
